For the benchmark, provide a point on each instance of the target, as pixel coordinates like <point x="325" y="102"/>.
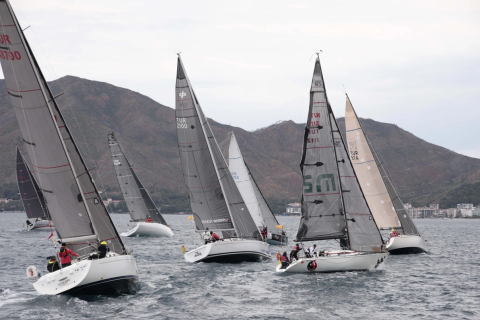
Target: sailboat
<point x="382" y="198"/>
<point x="32" y="198"/>
<point x="214" y="197"/>
<point x="256" y="204"/>
<point x="142" y="209"/>
<point x="75" y="206"/>
<point x="333" y="205"/>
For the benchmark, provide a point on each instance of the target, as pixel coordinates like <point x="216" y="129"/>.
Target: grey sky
<point x="412" y="63"/>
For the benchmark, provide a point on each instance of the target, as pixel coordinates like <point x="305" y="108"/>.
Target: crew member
<point x="394" y="233"/>
<point x="65" y="254"/>
<point x="284" y="260"/>
<point x="102" y="249"/>
<point x="52" y="265"/>
<point x="294" y="252"/>
<point x="264" y="232"/>
<point x="207" y="237"/>
<point x="215" y="237"/>
<point x="311" y="250"/>
<point x="148" y="219"/>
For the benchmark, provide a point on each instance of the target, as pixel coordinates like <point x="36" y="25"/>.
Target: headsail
<point x="32" y="196"/>
<point x="215" y="200"/>
<point x="75" y="206"/>
<point x="258" y="207"/>
<point x="140" y="204"/>
<point x="382" y="197"/>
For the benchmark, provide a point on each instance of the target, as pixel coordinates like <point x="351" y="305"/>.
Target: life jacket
<point x="214" y="236"/>
<point x="295" y="248"/>
<point x="283" y="259"/>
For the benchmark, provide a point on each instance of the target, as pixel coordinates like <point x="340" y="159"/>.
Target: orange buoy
<point x="278" y="255"/>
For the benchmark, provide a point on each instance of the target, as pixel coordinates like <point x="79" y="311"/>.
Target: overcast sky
<point x="412" y="63"/>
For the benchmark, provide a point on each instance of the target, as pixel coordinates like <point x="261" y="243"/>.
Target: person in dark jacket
<point x="65" y="254"/>
<point x="52" y="265"/>
<point x="294" y="252"/>
<point x="102" y="249"/>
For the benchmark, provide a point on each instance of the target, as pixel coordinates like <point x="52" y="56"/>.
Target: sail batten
<point x="74" y="203"/>
<point x="382" y="197"/>
<point x="206" y="175"/>
<point x="139" y="203"/>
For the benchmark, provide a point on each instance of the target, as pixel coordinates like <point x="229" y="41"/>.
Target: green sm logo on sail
<point x="324" y="182"/>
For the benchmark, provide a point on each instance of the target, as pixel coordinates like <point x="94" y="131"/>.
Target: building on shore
<point x="294" y="209"/>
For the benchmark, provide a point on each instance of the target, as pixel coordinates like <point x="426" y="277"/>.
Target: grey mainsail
<point x="215" y="200"/>
<point x="139" y="202"/>
<point x="32" y="196"/>
<point x="333" y="206"/>
<point x="75" y="206"/>
<point x="375" y="176"/>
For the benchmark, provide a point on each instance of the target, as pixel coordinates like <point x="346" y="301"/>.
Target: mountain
<point x="146" y="130"/>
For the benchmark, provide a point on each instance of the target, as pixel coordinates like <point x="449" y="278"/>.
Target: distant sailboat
<point x="258" y="207"/>
<point x="75" y="206"/>
<point x="215" y="200"/>
<point x="32" y="198"/>
<point x="382" y="198"/>
<point x="333" y="206"/>
<point x="141" y="207"/>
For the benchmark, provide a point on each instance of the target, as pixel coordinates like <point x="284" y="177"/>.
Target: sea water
<point x="443" y="284"/>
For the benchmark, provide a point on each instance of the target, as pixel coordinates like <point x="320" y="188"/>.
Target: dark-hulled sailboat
<point x="75" y="206"/>
<point x="32" y="198"/>
<point x="258" y="207"/>
<point x="382" y="198"/>
<point x="214" y="197"/>
<point x="333" y="205"/>
<point x="142" y="209"/>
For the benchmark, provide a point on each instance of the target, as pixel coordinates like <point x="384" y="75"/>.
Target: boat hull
<point x="112" y="275"/>
<point x="149" y="229"/>
<point x="230" y="251"/>
<point x="277" y="239"/>
<point x="337" y="261"/>
<point x="406" y="244"/>
<point x="41" y="225"/>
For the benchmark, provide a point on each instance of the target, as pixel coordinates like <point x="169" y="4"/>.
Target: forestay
<point x="139" y="203"/>
<point x="75" y="206"/>
<point x="383" y="200"/>
<point x="251" y="194"/>
<point x="214" y="197"/>
<point x="32" y="196"/>
<point x="322" y="208"/>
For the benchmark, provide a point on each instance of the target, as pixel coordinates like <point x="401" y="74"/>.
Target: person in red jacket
<point x="215" y="237"/>
<point x="65" y="254"/>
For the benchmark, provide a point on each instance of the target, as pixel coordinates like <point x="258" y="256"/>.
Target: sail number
<point x="352" y="146"/>
<point x="324" y="182"/>
<point x="181" y="123"/>
<point x="8" y="55"/>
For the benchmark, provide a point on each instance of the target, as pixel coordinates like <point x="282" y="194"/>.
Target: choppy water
<point x="443" y="284"/>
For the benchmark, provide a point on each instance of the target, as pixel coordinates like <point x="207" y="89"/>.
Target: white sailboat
<point x="333" y="206"/>
<point x="258" y="207"/>
<point x="74" y="204"/>
<point x="33" y="200"/>
<point x="214" y="197"/>
<point x="149" y="222"/>
<point x="382" y="198"/>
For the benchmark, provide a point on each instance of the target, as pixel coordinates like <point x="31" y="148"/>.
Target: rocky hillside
<point x="146" y="130"/>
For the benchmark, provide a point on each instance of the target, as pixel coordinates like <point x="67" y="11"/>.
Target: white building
<point x="466" y="209"/>
<point x="294" y="208"/>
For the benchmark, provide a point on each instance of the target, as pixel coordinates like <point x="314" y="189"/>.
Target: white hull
<point x="230" y="250"/>
<point x="40" y="225"/>
<point x="338" y="261"/>
<point x="113" y="274"/>
<point x="405" y="244"/>
<point x="149" y="229"/>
